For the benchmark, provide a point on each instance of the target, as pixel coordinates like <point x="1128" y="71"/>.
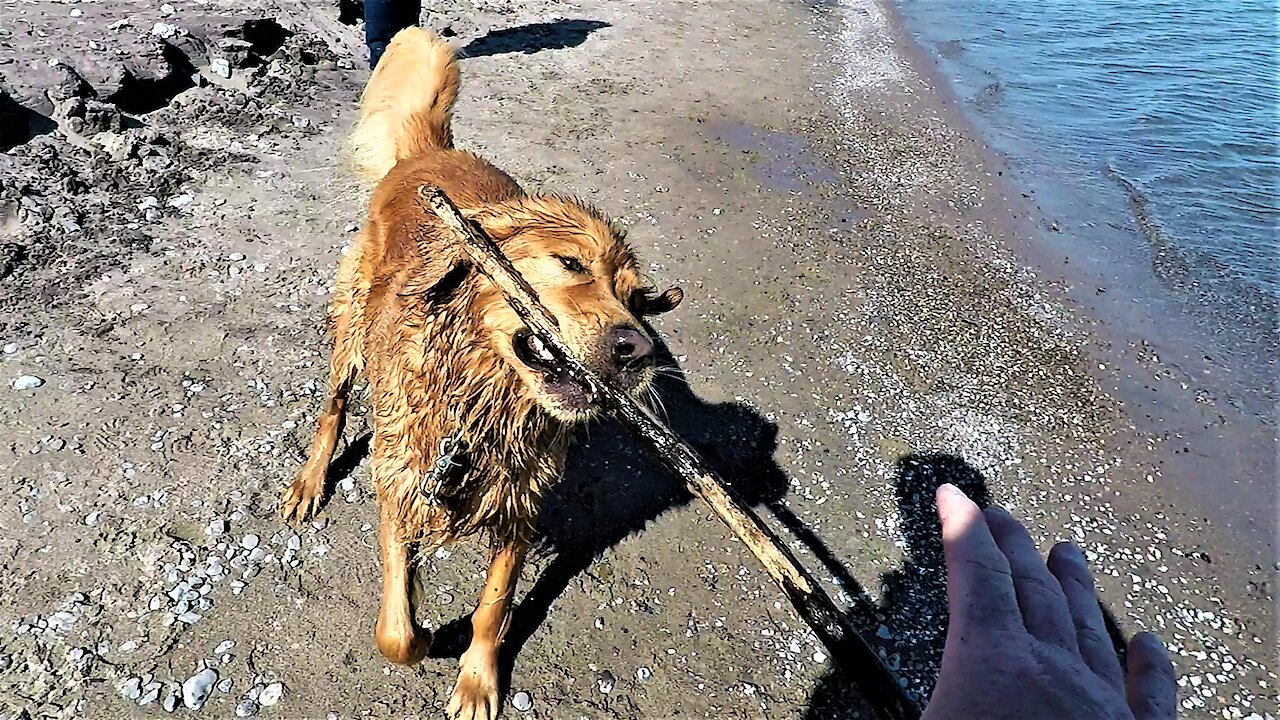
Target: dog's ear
<point x="646" y="301"/>
<point x="437" y="275"/>
<point x="442" y="267"/>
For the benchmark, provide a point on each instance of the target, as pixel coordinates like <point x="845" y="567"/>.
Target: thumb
<point x="1150" y="689"/>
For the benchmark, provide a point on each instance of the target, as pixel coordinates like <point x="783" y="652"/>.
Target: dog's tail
<point x="406" y="108"/>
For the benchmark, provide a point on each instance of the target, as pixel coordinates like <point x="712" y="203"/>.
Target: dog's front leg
<point x="475" y="697"/>
<point x="399" y="639"/>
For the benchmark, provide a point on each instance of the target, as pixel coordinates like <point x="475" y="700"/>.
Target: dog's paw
<point x="404" y="647"/>
<point x="301" y="501"/>
<point x="475" y="697"/>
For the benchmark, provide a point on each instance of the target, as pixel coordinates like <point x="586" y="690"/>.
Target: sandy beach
<point x="867" y="315"/>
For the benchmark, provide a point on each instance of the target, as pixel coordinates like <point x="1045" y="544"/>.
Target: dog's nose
<point x="632" y="349"/>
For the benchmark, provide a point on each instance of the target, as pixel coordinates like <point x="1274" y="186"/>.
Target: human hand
<point x="1026" y="639"/>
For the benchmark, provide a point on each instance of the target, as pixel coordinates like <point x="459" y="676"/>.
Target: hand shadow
<point x="909" y="624"/>
<point x="612" y="489"/>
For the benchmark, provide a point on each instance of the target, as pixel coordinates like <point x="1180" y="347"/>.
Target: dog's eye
<point x="572" y="264"/>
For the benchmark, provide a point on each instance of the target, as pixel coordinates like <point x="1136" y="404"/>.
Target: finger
<point x="1068" y="565"/>
<point x="1040" y="598"/>
<point x="979" y="585"/>
<point x="1150" y="687"/>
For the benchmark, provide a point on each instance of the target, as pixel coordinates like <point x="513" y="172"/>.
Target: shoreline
<point x="1193" y="365"/>
<point x="1155" y="415"/>
<point x="857" y="328"/>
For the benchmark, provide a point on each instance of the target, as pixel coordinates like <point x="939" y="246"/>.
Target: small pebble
<point x="605" y="682"/>
<point x="196" y="689"/>
<point x="271" y="694"/>
<point x="170" y="702"/>
<point x="246" y="708"/>
<point x="26" y="382"/>
<point x="151" y="695"/>
<point x="249" y="542"/>
<point x="521" y="701"/>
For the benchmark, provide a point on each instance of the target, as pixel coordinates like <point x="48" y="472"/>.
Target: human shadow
<point x="534" y="37"/>
<point x="612" y="489"/>
<point x="908" y="625"/>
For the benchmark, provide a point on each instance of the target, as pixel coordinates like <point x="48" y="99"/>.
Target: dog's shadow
<point x="612" y="489"/>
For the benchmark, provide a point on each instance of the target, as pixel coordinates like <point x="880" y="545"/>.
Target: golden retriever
<point x="472" y="414"/>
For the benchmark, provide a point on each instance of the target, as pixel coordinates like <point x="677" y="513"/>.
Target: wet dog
<point x="472" y="414"/>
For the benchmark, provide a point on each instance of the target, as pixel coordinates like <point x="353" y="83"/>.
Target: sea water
<point x="1152" y="115"/>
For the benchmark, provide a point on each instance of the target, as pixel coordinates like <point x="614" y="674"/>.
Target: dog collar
<point x="451" y="447"/>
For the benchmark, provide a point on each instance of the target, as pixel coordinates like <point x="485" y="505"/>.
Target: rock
<point x="521" y="701"/>
<point x="196" y="689"/>
<point x="68" y="85"/>
<point x="271" y="694"/>
<point x="249" y="542"/>
<point x="246" y="708"/>
<point x="132" y="688"/>
<point x="170" y="701"/>
<point x="643" y="674"/>
<point x="26" y="382"/>
<point x="224" y="647"/>
<point x="10" y="348"/>
<point x="224" y="685"/>
<point x="606" y="682"/>
<point x="217" y="527"/>
<point x="151" y="694"/>
<point x="220" y="67"/>
<point x="164" y="31"/>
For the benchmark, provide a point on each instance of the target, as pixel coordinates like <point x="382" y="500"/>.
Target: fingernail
<point x="1069" y="551"/>
<point x="949" y="489"/>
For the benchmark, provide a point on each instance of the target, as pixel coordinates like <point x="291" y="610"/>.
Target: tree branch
<point x="847" y="647"/>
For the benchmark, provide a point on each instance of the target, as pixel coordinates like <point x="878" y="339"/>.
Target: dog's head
<point x="586" y="277"/>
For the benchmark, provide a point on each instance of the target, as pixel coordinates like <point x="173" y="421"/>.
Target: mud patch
<point x="785" y="164"/>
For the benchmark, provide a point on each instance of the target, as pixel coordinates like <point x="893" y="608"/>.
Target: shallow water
<point x="1153" y="115"/>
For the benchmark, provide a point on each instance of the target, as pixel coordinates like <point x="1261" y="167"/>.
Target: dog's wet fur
<point x="446" y="357"/>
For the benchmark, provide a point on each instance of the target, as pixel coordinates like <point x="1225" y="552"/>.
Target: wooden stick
<point x="847" y="647"/>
